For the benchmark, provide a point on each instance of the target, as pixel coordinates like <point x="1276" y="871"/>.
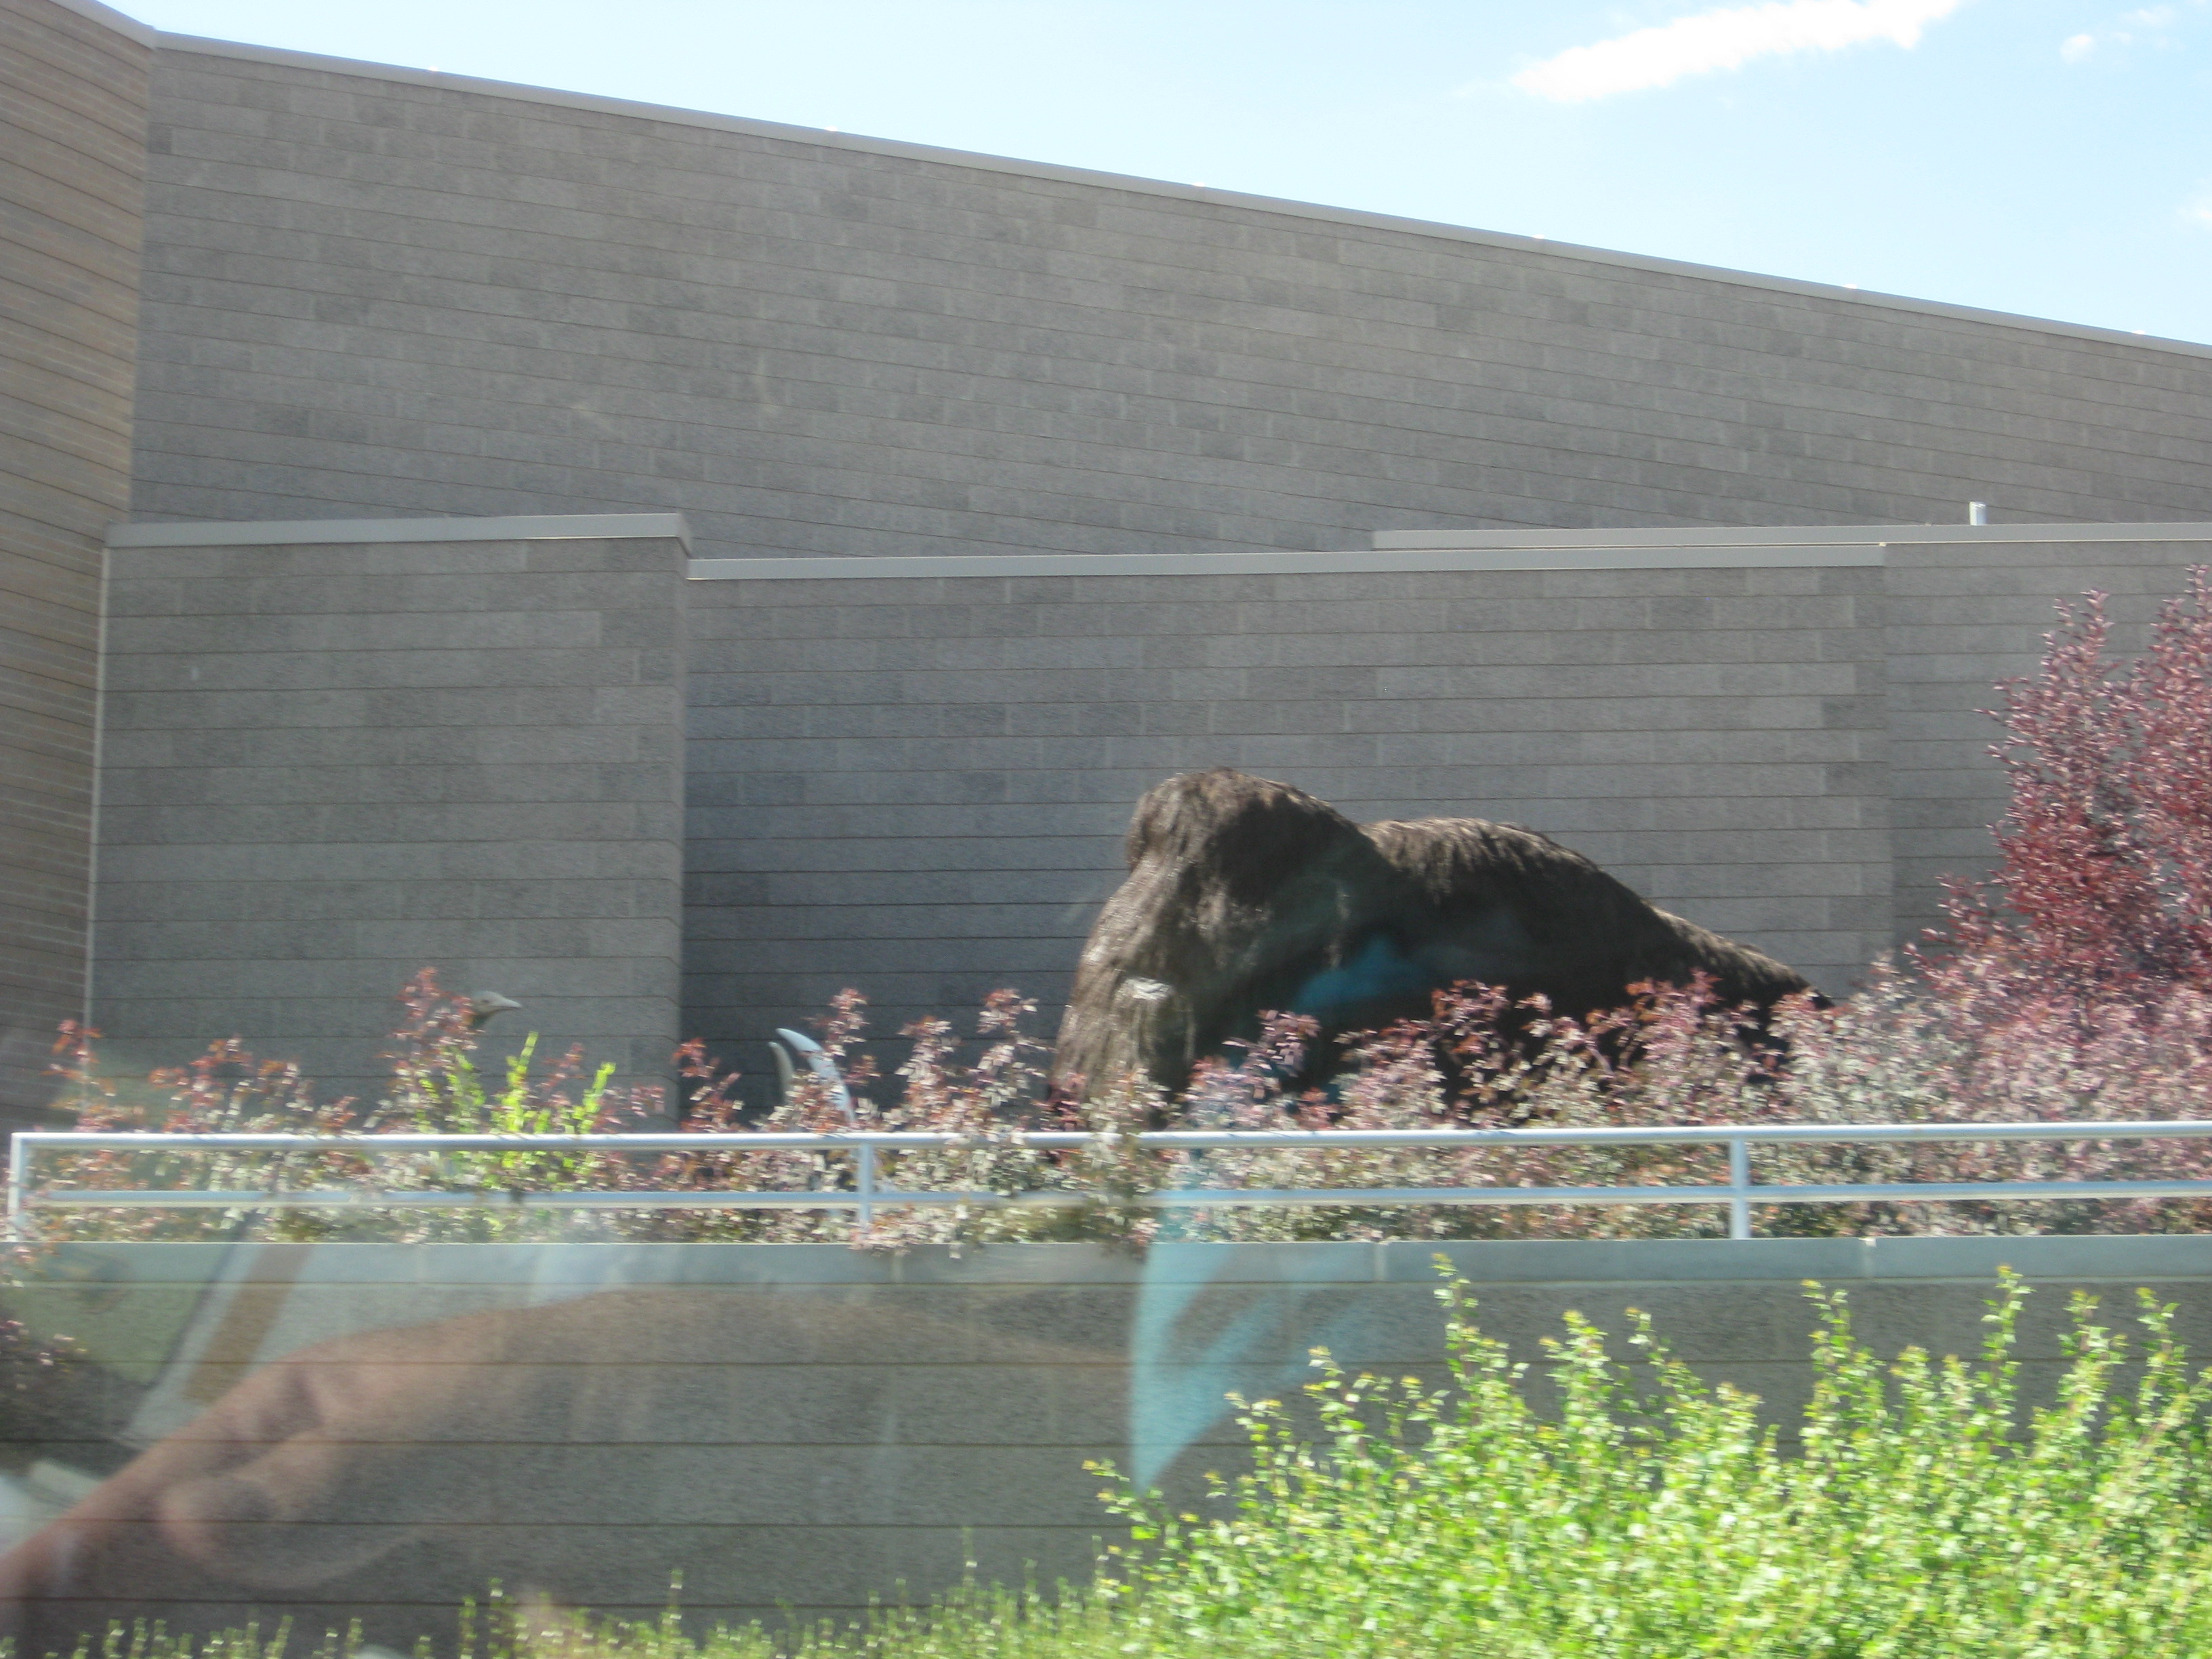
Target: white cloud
<point x="1725" y="40"/>
<point x="2160" y="23"/>
<point x="2199" y="212"/>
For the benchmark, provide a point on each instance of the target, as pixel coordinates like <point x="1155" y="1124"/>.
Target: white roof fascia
<point x="1814" y="547"/>
<point x="1894" y="535"/>
<point x="305" y="533"/>
<point x="129" y="28"/>
<point x="1282" y="564"/>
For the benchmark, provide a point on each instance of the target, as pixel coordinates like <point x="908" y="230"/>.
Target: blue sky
<point x="2051" y="157"/>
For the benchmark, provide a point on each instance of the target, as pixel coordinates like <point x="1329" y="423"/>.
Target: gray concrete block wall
<point x="805" y="1427"/>
<point x="918" y="788"/>
<point x="372" y="295"/>
<point x="72" y="193"/>
<point x="1962" y="617"/>
<point x="328" y="765"/>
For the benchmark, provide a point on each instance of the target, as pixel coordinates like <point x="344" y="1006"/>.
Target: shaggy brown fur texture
<point x="1245" y="895"/>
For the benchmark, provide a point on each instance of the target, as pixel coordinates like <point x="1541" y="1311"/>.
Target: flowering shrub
<point x="2076" y="987"/>
<point x="1672" y="1057"/>
<point x="436" y="1088"/>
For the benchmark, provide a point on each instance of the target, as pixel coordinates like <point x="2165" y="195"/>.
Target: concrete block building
<point x="664" y="567"/>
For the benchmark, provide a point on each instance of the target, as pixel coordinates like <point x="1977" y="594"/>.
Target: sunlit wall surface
<point x="72" y="196"/>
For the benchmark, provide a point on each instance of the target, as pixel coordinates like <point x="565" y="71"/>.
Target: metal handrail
<point x="1739" y="1193"/>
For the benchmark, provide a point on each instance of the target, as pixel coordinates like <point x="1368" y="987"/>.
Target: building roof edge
<point x="1856" y="535"/>
<point x="107" y="17"/>
<point x="303" y="533"/>
<point x="1774" y="547"/>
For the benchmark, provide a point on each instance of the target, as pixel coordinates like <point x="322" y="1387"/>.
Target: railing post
<point x="1739" y="1187"/>
<point x="867" y="1183"/>
<point x="16" y="1183"/>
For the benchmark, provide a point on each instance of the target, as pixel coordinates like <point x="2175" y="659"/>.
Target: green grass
<point x="1923" y="1513"/>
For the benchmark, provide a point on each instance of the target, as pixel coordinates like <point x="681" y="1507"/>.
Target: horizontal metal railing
<point x="869" y="1192"/>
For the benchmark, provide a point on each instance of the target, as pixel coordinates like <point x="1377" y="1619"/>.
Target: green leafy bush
<point x="1923" y="1513"/>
